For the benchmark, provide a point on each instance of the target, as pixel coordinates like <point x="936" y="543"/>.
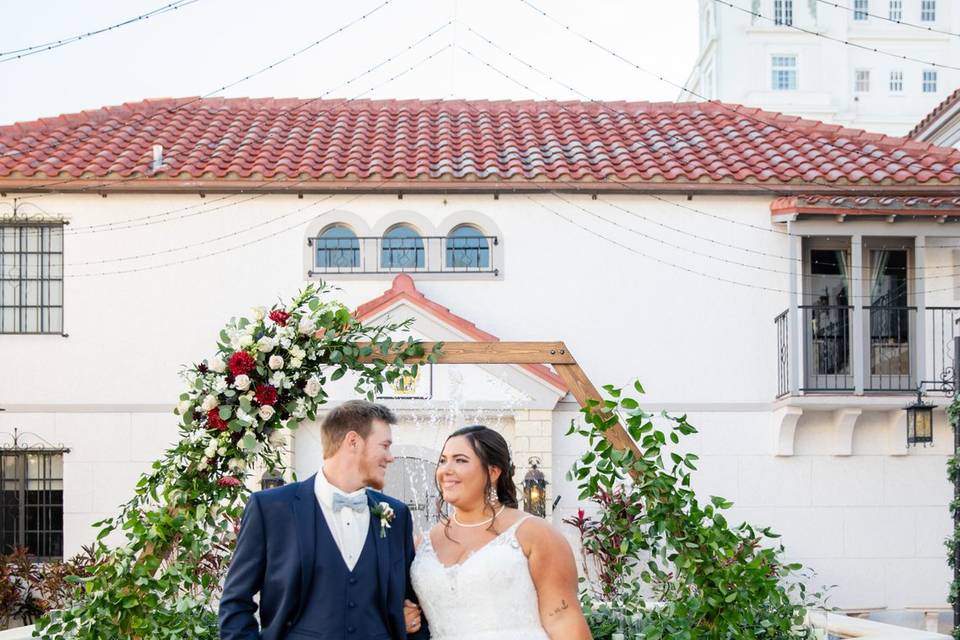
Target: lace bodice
<point x="488" y="596"/>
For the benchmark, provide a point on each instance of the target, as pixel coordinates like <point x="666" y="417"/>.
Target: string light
<point x="17" y="54"/>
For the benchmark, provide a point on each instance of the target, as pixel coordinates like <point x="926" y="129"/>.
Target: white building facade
<point x="817" y="59"/>
<point x="738" y="303"/>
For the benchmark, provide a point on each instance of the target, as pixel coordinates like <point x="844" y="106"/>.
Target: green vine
<point x="953" y="468"/>
<point x="268" y="375"/>
<point x="653" y="539"/>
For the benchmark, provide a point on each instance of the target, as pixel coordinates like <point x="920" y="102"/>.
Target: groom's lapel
<point x="383" y="548"/>
<point x="305" y="513"/>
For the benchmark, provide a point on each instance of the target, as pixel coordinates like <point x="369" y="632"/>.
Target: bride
<point x="490" y="571"/>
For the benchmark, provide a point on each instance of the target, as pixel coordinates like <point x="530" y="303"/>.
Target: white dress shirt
<point x="348" y="527"/>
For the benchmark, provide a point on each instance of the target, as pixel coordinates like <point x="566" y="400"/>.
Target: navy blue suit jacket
<point x="275" y="555"/>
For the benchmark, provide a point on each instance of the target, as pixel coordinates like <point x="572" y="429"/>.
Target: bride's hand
<point x="411" y="615"/>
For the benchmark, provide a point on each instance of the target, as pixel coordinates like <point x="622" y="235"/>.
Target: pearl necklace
<point x="478" y="524"/>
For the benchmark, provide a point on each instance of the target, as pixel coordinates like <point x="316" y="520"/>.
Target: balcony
<point x="901" y="348"/>
<point x="416" y="254"/>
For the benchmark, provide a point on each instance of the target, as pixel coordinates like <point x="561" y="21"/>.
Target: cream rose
<point x="312" y="387"/>
<point x="266" y="344"/>
<point x="242" y="382"/>
<point x="266" y="412"/>
<point x="210" y="403"/>
<point x="275" y="362"/>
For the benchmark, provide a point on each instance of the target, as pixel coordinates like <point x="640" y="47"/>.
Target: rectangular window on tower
<point x="896" y="81"/>
<point x="861" y="9"/>
<point x="896" y="10"/>
<point x="929" y="81"/>
<point x="928" y="10"/>
<point x="861" y="81"/>
<point x="783" y="12"/>
<point x="783" y="73"/>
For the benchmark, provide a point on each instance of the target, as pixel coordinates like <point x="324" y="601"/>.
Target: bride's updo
<point x="492" y="450"/>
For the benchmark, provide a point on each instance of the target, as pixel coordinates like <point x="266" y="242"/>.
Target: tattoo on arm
<point x="563" y="607"/>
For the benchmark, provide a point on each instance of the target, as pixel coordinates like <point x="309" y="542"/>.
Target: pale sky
<point x="208" y="44"/>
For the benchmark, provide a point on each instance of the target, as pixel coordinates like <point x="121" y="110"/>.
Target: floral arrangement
<point x="267" y="375"/>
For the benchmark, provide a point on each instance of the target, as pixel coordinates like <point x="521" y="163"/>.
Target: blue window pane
<point x="338" y="248"/>
<point x="467" y="248"/>
<point x="402" y="249"/>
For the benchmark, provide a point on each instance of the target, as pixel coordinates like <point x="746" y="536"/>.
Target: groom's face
<point x="375" y="455"/>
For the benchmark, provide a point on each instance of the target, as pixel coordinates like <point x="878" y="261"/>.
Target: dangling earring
<point x="492" y="496"/>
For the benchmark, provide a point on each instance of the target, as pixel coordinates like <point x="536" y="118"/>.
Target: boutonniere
<point x="385" y="512"/>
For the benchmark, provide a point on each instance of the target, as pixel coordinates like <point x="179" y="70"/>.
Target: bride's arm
<point x="554" y="573"/>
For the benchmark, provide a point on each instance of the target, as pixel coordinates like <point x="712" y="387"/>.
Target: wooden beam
<point x="583" y="390"/>
<point x="489" y="353"/>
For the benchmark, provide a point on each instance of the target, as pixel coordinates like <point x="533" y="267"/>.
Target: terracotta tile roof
<point x="866" y="206"/>
<point x="404" y="289"/>
<point x="459" y="144"/>
<point x="949" y="102"/>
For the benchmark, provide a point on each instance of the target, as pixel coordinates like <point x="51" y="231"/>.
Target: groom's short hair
<point x="353" y="415"/>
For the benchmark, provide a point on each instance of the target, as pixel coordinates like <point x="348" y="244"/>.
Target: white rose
<point x="216" y="364"/>
<point x="297" y="353"/>
<point x="275" y="362"/>
<point x="278" y="438"/>
<point x="242" y="382"/>
<point x="210" y="403"/>
<point x="245" y="341"/>
<point x="265" y="344"/>
<point x="306" y="325"/>
<point x="222" y="451"/>
<point x="266" y="412"/>
<point x="259" y="313"/>
<point x="183" y="407"/>
<point x="220" y="384"/>
<point x="295" y="363"/>
<point x="312" y="388"/>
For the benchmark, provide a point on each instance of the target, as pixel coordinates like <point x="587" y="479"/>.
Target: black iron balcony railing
<point x="892" y="337"/>
<point x="419" y="254"/>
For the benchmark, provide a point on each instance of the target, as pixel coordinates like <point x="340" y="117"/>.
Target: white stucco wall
<point x="870" y="522"/>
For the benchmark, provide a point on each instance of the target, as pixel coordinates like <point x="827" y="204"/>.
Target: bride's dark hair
<point x="492" y="450"/>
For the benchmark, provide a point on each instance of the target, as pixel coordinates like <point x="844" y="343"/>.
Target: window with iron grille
<point x="783" y="12"/>
<point x="783" y="73"/>
<point x="861" y="9"/>
<point x="928" y="10"/>
<point x="896" y="10"/>
<point x="31" y="277"/>
<point x="896" y="81"/>
<point x="861" y="83"/>
<point x="31" y="501"/>
<point x="929" y="81"/>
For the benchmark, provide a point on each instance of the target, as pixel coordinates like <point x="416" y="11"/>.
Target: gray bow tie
<point x="358" y="502"/>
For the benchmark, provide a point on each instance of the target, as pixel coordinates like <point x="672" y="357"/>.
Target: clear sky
<point x="208" y="44"/>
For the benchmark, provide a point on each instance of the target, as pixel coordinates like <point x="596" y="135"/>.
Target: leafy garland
<point x="653" y="537"/>
<point x="952" y="542"/>
<point x="268" y="375"/>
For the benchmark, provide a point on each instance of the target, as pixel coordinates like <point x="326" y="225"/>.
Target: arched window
<point x="338" y="248"/>
<point x="402" y="249"/>
<point x="467" y="249"/>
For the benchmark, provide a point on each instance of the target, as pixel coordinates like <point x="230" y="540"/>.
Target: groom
<point x="329" y="557"/>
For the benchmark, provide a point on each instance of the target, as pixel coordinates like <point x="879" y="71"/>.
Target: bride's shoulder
<point x="423" y="537"/>
<point x="535" y="532"/>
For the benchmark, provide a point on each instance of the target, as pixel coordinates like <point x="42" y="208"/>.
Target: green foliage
<point x="653" y="538"/>
<point x="179" y="528"/>
<point x="953" y="468"/>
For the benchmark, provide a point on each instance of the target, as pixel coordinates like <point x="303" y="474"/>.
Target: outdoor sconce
<point x="535" y="490"/>
<point x="919" y="421"/>
<point x="271" y="480"/>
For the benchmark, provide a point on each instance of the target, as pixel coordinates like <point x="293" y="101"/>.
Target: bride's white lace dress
<point x="488" y="596"/>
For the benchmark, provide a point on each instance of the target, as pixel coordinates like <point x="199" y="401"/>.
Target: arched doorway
<point x="411" y="479"/>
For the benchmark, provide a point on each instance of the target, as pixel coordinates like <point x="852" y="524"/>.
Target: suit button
<point x="353" y="581"/>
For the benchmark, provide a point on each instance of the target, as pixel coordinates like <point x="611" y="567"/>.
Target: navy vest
<point x="342" y="604"/>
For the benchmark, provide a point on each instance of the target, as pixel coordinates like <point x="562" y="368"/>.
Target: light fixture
<point x="535" y="490"/>
<point x="919" y="421"/>
<point x="271" y="480"/>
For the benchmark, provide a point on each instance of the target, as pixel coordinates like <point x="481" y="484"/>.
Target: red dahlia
<point x="279" y="316"/>
<point x="229" y="481"/>
<point x="265" y="394"/>
<point x="214" y="421"/>
<point x="241" y="363"/>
